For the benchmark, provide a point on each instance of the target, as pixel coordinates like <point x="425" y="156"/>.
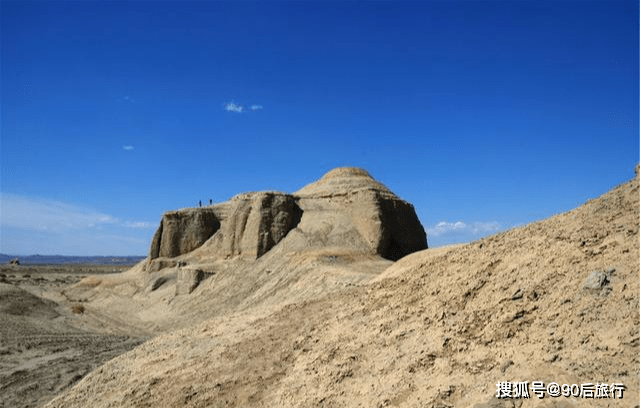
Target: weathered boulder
<point x="15" y="261"/>
<point x="599" y="282"/>
<point x="188" y="280"/>
<point x="158" y="282"/>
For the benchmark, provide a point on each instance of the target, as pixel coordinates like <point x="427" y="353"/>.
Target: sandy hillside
<point x="257" y="252"/>
<point x="553" y="301"/>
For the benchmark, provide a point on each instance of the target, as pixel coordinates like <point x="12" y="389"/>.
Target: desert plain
<point x="330" y="297"/>
<point x="43" y="346"/>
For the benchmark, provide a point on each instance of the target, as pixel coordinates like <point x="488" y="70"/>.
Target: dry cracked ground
<point x="323" y="315"/>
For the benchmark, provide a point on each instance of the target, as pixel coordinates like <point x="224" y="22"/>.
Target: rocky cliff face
<point x="183" y="231"/>
<point x="401" y="233"/>
<point x="249" y="224"/>
<point x="254" y="223"/>
<point x="346" y="208"/>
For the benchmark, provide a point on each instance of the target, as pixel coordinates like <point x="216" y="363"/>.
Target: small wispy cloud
<point x="129" y="99"/>
<point x="42" y="226"/>
<point x="139" y="225"/>
<point x="233" y="107"/>
<point x="444" y="227"/>
<point x="48" y="215"/>
<point x="128" y="147"/>
<point x="459" y="227"/>
<point x="238" y="108"/>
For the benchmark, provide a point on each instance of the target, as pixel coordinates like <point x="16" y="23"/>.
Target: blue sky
<point x="484" y="115"/>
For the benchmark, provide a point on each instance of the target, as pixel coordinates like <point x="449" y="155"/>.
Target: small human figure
<point x="210" y="201"/>
<point x="200" y="203"/>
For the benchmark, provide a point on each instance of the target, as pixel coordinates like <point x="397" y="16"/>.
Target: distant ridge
<point x="63" y="259"/>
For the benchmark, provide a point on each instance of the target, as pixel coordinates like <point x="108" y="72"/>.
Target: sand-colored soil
<point x="553" y="301"/>
<point x="41" y="352"/>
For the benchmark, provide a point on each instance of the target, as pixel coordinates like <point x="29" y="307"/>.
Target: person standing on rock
<point x="210" y="202"/>
<point x="200" y="203"/>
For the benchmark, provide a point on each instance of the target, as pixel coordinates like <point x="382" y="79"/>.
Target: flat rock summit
<point x="330" y="297"/>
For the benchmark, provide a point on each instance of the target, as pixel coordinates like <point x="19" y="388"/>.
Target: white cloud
<point x="128" y="147"/>
<point x="50" y="215"/>
<point x="238" y="108"/>
<point x="127" y="98"/>
<point x="233" y="107"/>
<point x="139" y="224"/>
<point x="459" y="227"/>
<point x="36" y="225"/>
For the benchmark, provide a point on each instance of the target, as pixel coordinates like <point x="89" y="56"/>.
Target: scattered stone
<point x="597" y="281"/>
<point x="188" y="280"/>
<point x="158" y="282"/>
<point x="505" y="366"/>
<point x="551" y="358"/>
<point x="15" y="261"/>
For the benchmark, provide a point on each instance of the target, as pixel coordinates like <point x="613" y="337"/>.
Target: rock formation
<point x="188" y="279"/>
<point x="254" y="223"/>
<point x="183" y="231"/>
<point x="348" y="208"/>
<point x="345" y="208"/>
<point x="249" y="224"/>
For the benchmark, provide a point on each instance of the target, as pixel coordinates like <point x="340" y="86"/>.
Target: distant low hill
<point x="60" y="259"/>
